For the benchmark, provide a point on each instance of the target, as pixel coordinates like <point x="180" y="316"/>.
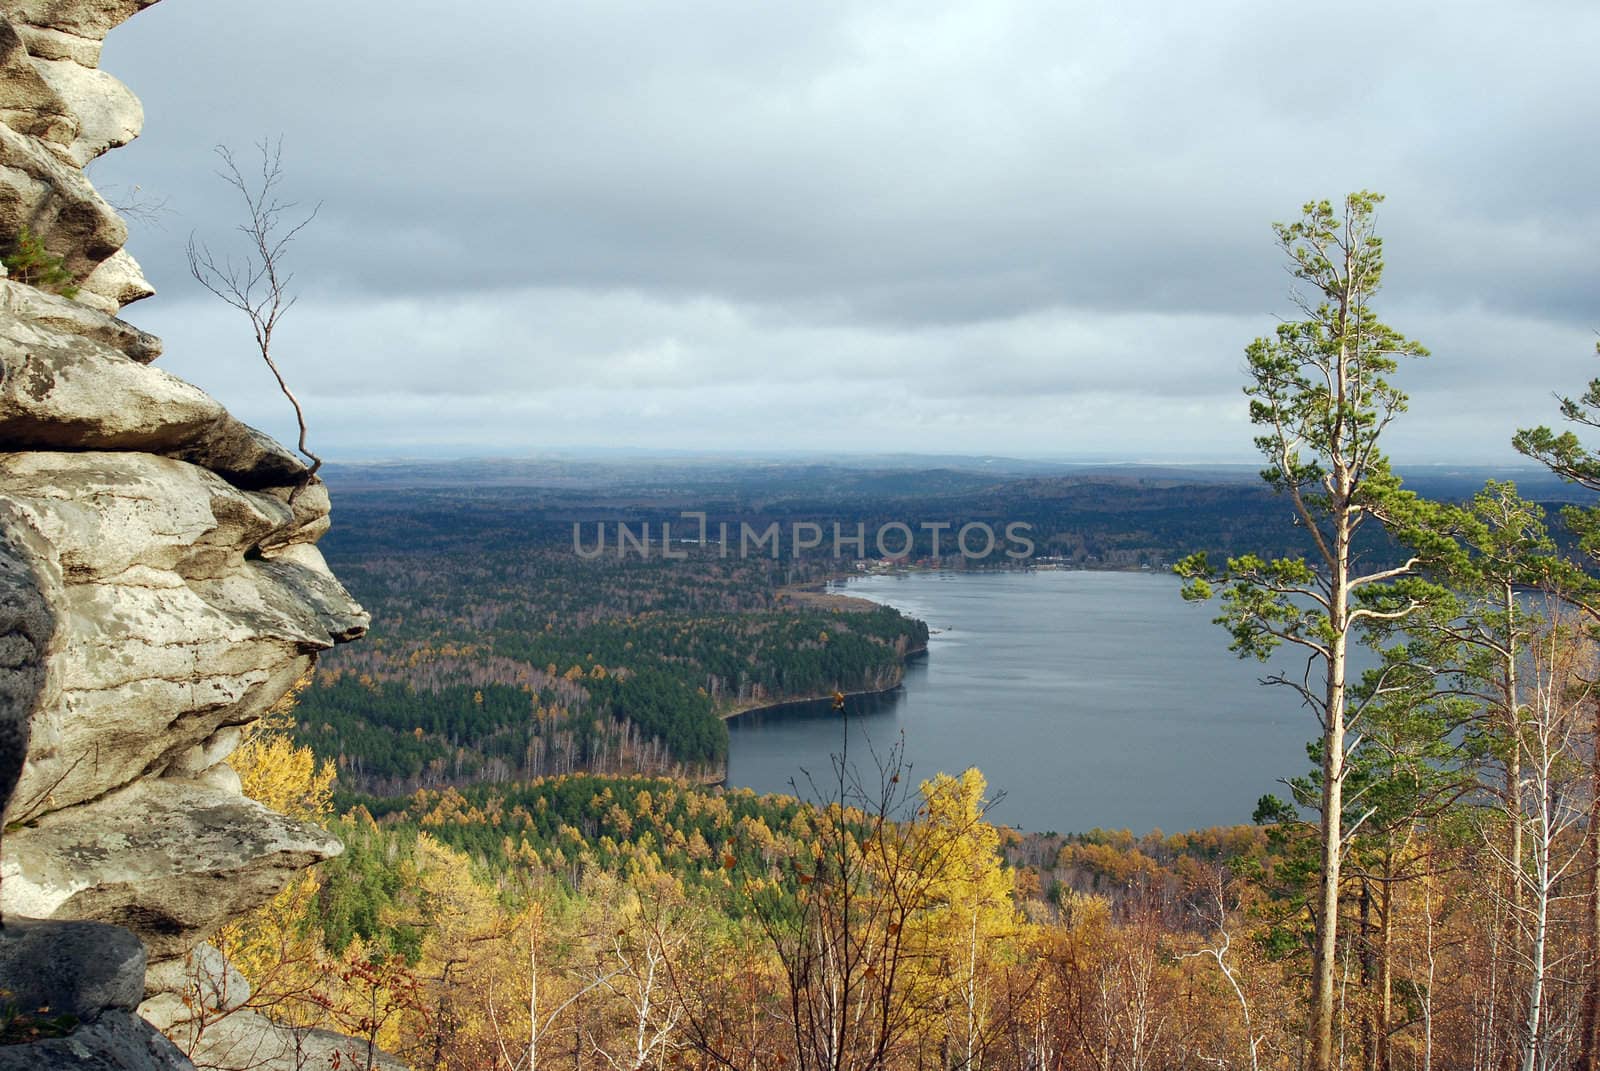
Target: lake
<point x="1088" y="698"/>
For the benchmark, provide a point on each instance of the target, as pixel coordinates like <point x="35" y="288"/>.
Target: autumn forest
<point x="543" y="868"/>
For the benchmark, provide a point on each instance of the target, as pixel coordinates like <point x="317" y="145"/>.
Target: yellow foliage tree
<point x="970" y="920"/>
<point x="274" y="947"/>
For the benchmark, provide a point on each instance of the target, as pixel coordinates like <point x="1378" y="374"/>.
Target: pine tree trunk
<point x="1331" y="833"/>
<point x="1385" y="963"/>
<point x="1511" y="701"/>
<point x="1369" y="978"/>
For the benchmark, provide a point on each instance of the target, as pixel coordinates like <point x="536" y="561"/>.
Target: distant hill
<point x="896" y="475"/>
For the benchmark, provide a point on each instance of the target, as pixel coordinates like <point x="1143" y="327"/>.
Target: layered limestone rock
<point x="58" y="111"/>
<point x="174" y="607"/>
<point x="169" y="859"/>
<point x="185" y="606"/>
<point x="160" y="588"/>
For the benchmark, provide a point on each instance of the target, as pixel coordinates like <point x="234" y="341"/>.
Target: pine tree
<point x="1319" y="391"/>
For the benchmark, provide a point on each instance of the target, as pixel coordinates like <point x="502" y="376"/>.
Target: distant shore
<point x="751" y="706"/>
<point x="755" y="705"/>
<point x="815" y="596"/>
<point x="779" y="704"/>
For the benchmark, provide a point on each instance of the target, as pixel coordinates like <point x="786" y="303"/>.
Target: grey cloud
<point x="988" y="214"/>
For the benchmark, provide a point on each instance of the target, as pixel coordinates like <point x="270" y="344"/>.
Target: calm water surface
<point x="1090" y="699"/>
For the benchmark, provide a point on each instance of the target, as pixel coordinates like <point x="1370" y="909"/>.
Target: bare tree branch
<point x="257" y="285"/>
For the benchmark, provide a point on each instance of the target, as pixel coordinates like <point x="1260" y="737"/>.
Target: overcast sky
<point x="1037" y="229"/>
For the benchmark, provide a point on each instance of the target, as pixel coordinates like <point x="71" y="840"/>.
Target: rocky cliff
<point x="159" y="585"/>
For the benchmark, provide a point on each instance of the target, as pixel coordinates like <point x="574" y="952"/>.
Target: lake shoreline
<point x="767" y="705"/>
<point x="815" y="595"/>
<point x="1045" y="682"/>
